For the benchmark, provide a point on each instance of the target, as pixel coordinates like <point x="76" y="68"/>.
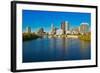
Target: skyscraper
<point x="65" y="26"/>
<point x="28" y="29"/>
<point x="84" y="27"/>
<point x="53" y="29"/>
<point x="41" y="32"/>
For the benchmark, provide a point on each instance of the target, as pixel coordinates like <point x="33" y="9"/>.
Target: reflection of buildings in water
<point x="41" y="43"/>
<point x="59" y="47"/>
<point x="64" y="48"/>
<point x="84" y="48"/>
<point x="52" y="44"/>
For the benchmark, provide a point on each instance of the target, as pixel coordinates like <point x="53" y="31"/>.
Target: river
<point x="56" y="49"/>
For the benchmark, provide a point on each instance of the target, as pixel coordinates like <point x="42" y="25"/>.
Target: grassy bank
<point x="29" y="36"/>
<point x="85" y="37"/>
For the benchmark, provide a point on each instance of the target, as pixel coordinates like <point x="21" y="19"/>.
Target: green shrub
<point x="29" y="36"/>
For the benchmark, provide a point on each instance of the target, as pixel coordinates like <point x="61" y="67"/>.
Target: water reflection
<point x="55" y="49"/>
<point x="85" y="45"/>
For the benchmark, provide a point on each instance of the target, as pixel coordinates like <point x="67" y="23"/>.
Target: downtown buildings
<point x="84" y="28"/>
<point x="64" y="29"/>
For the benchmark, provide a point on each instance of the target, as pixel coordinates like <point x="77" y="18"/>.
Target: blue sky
<point x="44" y="19"/>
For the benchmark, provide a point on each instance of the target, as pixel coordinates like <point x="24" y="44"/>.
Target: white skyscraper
<point x="67" y="26"/>
<point x="53" y="29"/>
<point x="84" y="27"/>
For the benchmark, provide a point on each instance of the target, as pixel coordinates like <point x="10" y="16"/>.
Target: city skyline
<point x="44" y="19"/>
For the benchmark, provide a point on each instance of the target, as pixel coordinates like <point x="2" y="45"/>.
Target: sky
<point x="43" y="19"/>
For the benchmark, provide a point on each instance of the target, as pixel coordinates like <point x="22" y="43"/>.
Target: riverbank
<point x="30" y="36"/>
<point x="33" y="36"/>
<point x="85" y="37"/>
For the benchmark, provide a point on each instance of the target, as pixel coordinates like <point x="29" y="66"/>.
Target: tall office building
<point x="65" y="26"/>
<point x="53" y="29"/>
<point x="84" y="27"/>
<point x="28" y="29"/>
<point x="41" y="32"/>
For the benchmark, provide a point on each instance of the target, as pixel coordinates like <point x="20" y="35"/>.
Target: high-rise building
<point x="65" y="26"/>
<point x="28" y="29"/>
<point x="53" y="29"/>
<point x="84" y="27"/>
<point x="41" y="32"/>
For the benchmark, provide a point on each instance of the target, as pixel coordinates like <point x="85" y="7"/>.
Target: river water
<point x="56" y="49"/>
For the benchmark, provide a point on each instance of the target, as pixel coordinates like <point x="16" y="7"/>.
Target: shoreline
<point x="30" y="37"/>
